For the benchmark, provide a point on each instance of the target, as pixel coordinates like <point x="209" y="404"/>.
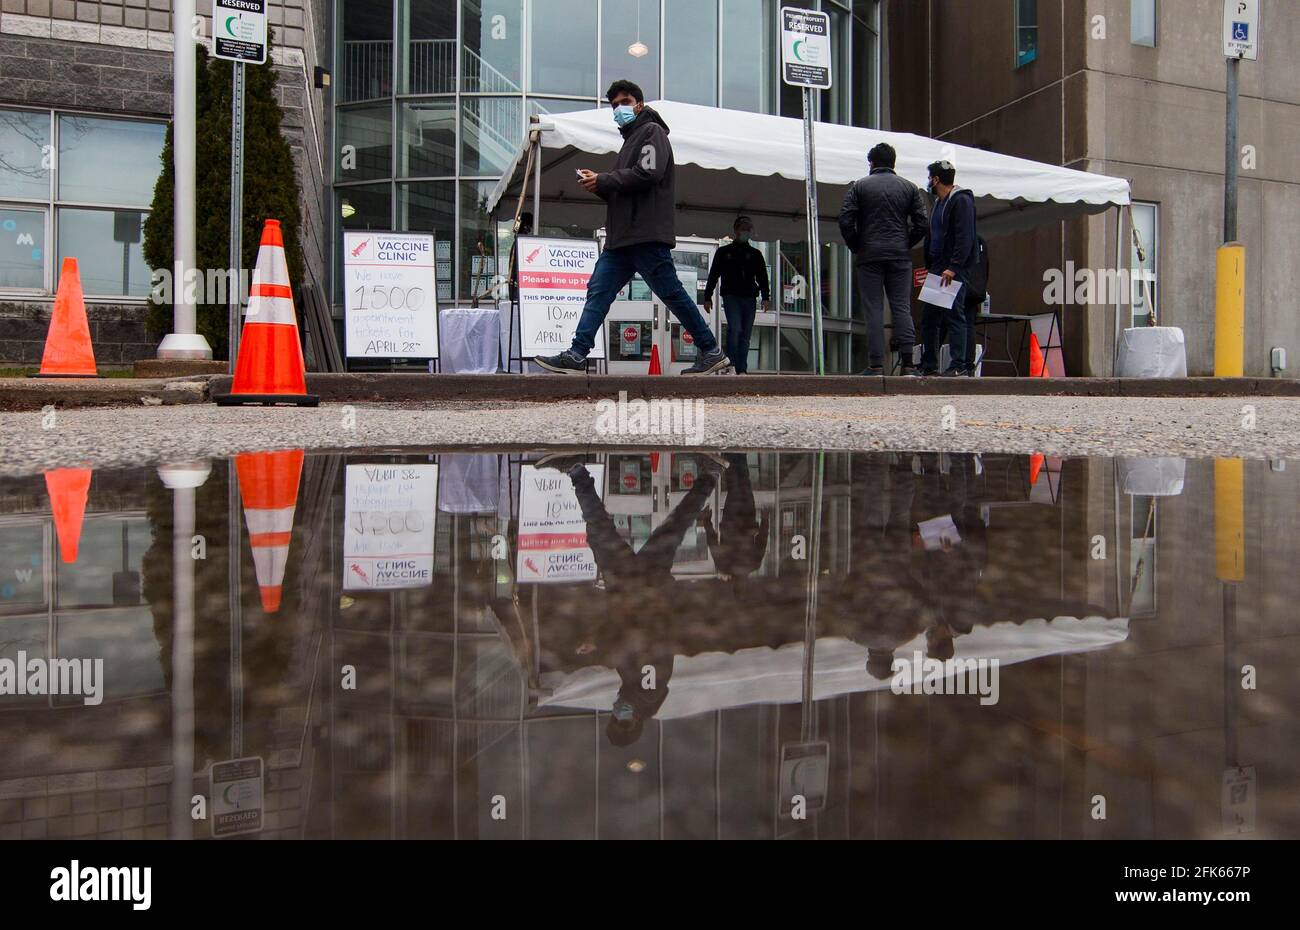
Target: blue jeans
<point x="615" y="269"/>
<point x="740" y="313"/>
<point x="933" y="321"/>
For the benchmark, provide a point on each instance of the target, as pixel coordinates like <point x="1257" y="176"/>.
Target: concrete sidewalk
<point x="35" y="393"/>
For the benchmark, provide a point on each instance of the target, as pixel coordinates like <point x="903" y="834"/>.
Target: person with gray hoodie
<point x="640" y="228"/>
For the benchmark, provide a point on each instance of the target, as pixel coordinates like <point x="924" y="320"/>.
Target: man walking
<point x="640" y="235"/>
<point x="951" y="252"/>
<point x="742" y="270"/>
<point x="883" y="218"/>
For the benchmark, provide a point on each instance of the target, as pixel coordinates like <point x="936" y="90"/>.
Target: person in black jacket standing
<point x="640" y="232"/>
<point x="743" y="271"/>
<point x="883" y="218"/>
<point x="951" y="251"/>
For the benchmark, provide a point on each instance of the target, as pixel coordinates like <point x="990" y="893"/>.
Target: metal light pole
<point x="183" y="342"/>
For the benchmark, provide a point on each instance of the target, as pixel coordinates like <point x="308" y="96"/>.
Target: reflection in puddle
<point x="679" y="645"/>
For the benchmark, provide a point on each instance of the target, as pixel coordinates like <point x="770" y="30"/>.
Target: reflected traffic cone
<point x="270" y="368"/>
<point x="68" y="351"/>
<point x="268" y="486"/>
<point x="68" y="489"/>
<point x="1035" y="467"/>
<point x="1037" y="364"/>
<point x="655" y="367"/>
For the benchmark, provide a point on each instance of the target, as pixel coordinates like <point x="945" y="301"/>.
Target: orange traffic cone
<point x="270" y="368"/>
<point x="655" y="367"/>
<point x="1035" y="467"/>
<point x="68" y="352"/>
<point x="1037" y="364"/>
<point x="68" y="489"/>
<point x="268" y="486"/>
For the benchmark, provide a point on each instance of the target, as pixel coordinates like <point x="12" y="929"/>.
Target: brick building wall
<point x="115" y="58"/>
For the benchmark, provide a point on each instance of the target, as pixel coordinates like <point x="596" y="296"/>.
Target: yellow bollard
<point x="1229" y="520"/>
<point x="1230" y="312"/>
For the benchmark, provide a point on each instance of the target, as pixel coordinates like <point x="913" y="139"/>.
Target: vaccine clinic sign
<point x="553" y="276"/>
<point x="390" y="302"/>
<point x="389" y="530"/>
<point x="552" y="533"/>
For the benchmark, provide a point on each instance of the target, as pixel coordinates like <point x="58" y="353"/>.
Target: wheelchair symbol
<point x="1241" y="32"/>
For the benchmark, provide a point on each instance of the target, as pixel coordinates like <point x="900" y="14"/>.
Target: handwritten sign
<point x="390" y="303"/>
<point x="553" y="276"/>
<point x="388" y="536"/>
<point x="552" y="533"/>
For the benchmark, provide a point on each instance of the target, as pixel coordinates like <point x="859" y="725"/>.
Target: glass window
<point x="691" y="52"/>
<point x="365" y="60"/>
<point x="1142" y="22"/>
<point x="541" y="106"/>
<point x="427" y="146"/>
<point x="107" y="247"/>
<point x="430" y="206"/>
<point x="835" y="102"/>
<point x="107" y="570"/>
<point x="22" y="249"/>
<point x="791" y="98"/>
<point x="23" y="545"/>
<point x="364" y="206"/>
<point x="1145" y="266"/>
<point x="746" y="55"/>
<point x="796" y="350"/>
<point x="866" y="75"/>
<point x="491" y="46"/>
<point x="477" y="239"/>
<point x="125" y="640"/>
<point x="629" y="44"/>
<point x="562" y="51"/>
<point x="365" y="142"/>
<point x="24" y="154"/>
<point x="491" y="129"/>
<point x="111" y="161"/>
<point x="367" y="206"/>
<point x="427" y="34"/>
<point x="1026" y="31"/>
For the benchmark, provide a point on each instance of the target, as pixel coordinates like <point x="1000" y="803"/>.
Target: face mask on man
<point x="742" y="237"/>
<point x="624" y="114"/>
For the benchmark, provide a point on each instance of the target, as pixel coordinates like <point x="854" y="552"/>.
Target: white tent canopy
<point x="731" y="162"/>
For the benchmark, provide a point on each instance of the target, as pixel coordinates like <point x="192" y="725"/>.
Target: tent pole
<point x="537" y="182"/>
<point x="1119" y="308"/>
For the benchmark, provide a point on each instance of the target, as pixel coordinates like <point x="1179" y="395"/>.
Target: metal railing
<point x="367" y="70"/>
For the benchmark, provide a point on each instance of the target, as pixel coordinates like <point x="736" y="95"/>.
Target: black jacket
<point x="743" y="271"/>
<point x="883" y="217"/>
<point x="959" y="252"/>
<point x="640" y="190"/>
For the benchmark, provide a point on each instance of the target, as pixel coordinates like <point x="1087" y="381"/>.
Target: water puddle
<point x="651" y="645"/>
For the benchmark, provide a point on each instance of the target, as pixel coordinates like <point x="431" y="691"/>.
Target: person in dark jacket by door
<point x="640" y="235"/>
<point x="883" y="218"/>
<point x="742" y="270"/>
<point x="951" y="252"/>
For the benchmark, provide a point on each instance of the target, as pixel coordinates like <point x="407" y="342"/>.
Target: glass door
<point x="639" y="324"/>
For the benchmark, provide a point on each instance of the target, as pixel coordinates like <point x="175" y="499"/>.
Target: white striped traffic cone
<point x="270" y="368"/>
<point x="268" y="486"/>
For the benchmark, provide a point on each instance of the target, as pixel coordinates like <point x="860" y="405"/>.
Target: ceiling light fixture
<point x="638" y="48"/>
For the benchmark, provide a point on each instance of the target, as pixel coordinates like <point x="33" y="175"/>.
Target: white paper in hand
<point x="936" y="294"/>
